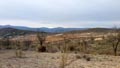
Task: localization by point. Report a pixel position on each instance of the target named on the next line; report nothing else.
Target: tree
(92, 39)
(64, 51)
(83, 43)
(114, 40)
(26, 44)
(1, 44)
(6, 42)
(41, 37)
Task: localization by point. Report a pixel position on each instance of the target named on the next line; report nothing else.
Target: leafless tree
(6, 42)
(114, 40)
(83, 45)
(64, 51)
(41, 37)
(0, 43)
(26, 44)
(92, 39)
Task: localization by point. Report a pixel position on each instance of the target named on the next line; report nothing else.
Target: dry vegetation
(53, 60)
(67, 50)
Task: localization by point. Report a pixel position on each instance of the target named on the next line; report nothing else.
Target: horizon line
(8, 25)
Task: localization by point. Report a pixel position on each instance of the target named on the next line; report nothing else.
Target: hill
(95, 30)
(4, 32)
(44, 29)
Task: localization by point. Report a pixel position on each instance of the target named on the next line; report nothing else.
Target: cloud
(61, 12)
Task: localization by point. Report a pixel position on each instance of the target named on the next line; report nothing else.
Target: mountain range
(43, 29)
(9, 30)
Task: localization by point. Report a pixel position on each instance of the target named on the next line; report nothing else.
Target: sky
(60, 13)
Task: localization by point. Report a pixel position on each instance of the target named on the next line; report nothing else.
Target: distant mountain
(16, 27)
(5, 32)
(43, 29)
(9, 30)
(57, 30)
(97, 30)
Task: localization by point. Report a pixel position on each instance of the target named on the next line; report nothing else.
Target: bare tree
(114, 40)
(92, 39)
(6, 42)
(1, 44)
(41, 37)
(64, 51)
(26, 44)
(83, 45)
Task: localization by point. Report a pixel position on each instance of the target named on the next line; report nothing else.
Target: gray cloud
(58, 11)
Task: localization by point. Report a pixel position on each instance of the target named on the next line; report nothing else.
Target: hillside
(95, 30)
(13, 32)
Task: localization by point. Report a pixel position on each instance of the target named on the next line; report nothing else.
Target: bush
(19, 54)
(41, 49)
(86, 57)
(18, 49)
(78, 57)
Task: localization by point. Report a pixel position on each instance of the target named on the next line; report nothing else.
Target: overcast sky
(60, 13)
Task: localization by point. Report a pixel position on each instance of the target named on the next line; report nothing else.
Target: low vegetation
(85, 44)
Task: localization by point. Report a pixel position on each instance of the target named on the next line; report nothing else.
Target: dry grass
(52, 60)
(71, 52)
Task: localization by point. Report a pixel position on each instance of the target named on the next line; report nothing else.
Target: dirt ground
(33, 59)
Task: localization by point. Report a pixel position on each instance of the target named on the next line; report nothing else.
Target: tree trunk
(115, 51)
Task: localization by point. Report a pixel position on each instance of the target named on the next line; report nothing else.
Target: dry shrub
(64, 50)
(19, 54)
(87, 58)
(78, 57)
(63, 62)
(19, 49)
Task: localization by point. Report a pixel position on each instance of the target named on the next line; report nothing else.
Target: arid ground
(53, 60)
